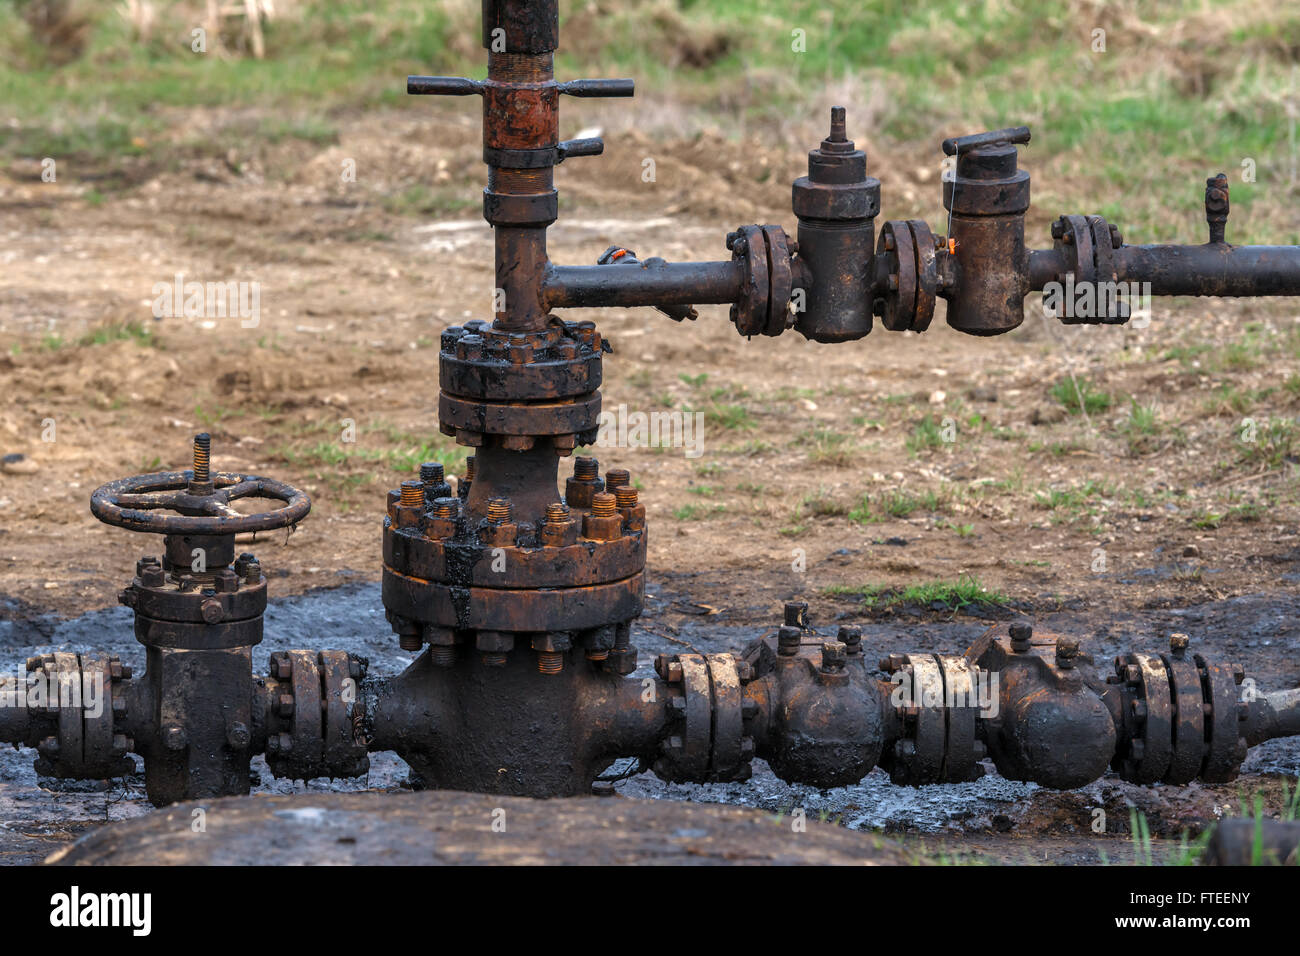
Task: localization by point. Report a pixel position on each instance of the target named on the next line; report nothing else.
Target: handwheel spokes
(146, 501)
(199, 499)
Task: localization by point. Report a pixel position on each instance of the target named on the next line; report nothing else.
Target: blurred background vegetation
(1184, 88)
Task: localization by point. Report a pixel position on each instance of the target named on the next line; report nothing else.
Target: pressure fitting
(836, 204)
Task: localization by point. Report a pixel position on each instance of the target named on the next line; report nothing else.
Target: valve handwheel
(199, 500)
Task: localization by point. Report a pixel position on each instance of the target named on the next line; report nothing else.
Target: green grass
(1274, 444)
(697, 512)
(902, 504)
(136, 332)
(927, 435)
(953, 595)
(1078, 395)
(1130, 130)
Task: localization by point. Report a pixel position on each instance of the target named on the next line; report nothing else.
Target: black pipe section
(648, 282)
(1212, 269)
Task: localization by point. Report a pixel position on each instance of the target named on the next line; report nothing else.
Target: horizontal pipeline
(651, 282)
(1211, 269)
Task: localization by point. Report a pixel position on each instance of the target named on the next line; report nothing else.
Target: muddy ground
(820, 473)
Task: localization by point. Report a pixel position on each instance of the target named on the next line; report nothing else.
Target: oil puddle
(1261, 631)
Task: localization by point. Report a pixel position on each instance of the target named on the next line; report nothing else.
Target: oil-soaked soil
(991, 819)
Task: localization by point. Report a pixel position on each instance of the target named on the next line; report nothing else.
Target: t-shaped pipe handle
(959, 144)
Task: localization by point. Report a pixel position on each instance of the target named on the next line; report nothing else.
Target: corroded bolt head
(796, 614)
(1139, 710)
(788, 639)
(1020, 633)
(1132, 674)
(284, 705)
(238, 736)
(892, 663)
(281, 666)
(226, 581)
(1058, 228)
(1067, 649)
(153, 577)
(174, 738)
(1178, 645)
(851, 637)
(744, 671)
(211, 610)
(834, 656)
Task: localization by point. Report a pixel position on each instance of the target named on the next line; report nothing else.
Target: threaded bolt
(617, 478)
(585, 469)
(202, 456)
(432, 472)
(604, 505)
(442, 655)
(410, 641)
(493, 659)
(1178, 645)
(550, 662)
(557, 513)
(469, 468)
(838, 134)
(500, 511)
(412, 493)
(626, 496)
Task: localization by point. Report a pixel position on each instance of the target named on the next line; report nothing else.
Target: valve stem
(202, 457)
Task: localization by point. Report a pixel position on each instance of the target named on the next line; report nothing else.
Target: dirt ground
(1153, 502)
(353, 297)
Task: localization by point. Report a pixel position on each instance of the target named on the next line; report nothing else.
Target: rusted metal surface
(519, 599)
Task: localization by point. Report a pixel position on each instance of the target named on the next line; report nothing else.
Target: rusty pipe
(648, 282)
(1211, 269)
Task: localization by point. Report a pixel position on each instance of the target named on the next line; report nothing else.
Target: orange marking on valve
(952, 247)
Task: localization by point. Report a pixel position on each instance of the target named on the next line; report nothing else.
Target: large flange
(516, 610)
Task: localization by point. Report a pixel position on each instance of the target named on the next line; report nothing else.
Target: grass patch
(927, 435)
(965, 591)
(1079, 396)
(131, 331)
(1271, 444)
(698, 512)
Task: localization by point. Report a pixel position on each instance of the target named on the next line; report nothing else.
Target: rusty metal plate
(1223, 756)
(959, 763)
(692, 759)
(576, 565)
(728, 719)
(1157, 735)
(1188, 721)
(492, 609)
